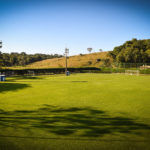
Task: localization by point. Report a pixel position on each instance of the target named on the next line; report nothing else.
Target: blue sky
(47, 26)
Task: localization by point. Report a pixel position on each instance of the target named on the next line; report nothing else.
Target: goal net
(132, 72)
(30, 73)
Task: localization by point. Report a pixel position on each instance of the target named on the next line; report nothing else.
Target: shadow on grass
(85, 121)
(5, 87)
(79, 81)
(15, 78)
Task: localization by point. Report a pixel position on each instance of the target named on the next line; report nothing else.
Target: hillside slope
(84, 60)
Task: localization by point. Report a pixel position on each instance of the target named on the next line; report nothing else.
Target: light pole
(0, 54)
(2, 77)
(66, 53)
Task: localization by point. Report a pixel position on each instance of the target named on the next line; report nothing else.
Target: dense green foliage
(79, 112)
(44, 71)
(134, 51)
(21, 59)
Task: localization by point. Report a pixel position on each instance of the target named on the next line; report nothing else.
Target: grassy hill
(83, 60)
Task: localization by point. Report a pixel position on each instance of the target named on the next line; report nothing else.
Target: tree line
(21, 59)
(134, 51)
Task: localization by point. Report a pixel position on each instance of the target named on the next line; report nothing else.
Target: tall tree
(134, 51)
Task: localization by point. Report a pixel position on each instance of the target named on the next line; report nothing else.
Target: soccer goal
(132, 72)
(30, 73)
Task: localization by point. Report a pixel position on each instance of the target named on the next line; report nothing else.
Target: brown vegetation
(82, 60)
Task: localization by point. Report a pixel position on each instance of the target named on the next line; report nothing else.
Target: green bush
(145, 71)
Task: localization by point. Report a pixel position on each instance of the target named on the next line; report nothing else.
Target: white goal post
(132, 72)
(31, 73)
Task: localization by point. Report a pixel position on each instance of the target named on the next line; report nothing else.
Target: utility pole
(66, 54)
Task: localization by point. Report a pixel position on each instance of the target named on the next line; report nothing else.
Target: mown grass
(81, 111)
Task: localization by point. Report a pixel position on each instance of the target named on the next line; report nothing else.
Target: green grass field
(78, 112)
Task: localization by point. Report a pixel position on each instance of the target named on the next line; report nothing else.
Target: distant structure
(89, 49)
(66, 55)
(0, 44)
(100, 50)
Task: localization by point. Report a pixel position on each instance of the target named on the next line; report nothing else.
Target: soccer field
(77, 112)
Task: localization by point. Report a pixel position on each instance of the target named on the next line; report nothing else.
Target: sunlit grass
(110, 108)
